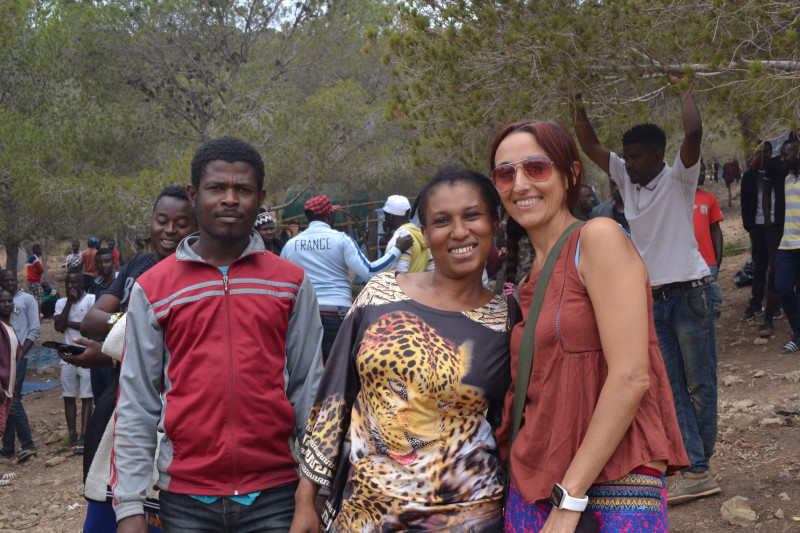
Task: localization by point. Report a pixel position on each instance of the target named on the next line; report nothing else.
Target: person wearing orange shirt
(706, 219)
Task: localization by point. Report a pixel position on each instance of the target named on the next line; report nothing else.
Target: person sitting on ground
(35, 269)
(706, 219)
(10, 354)
(265, 226)
(396, 223)
(418, 370)
(614, 208)
(73, 260)
(50, 296)
(75, 381)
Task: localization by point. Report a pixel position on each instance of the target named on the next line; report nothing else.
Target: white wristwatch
(561, 499)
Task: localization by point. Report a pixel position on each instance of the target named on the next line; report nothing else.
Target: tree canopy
(466, 67)
(102, 103)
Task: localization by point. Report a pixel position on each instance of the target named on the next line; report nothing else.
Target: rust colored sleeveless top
(569, 370)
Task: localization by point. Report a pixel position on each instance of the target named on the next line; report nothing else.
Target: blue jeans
(331, 324)
(687, 339)
(786, 264)
(101, 377)
(271, 512)
(17, 424)
(100, 518)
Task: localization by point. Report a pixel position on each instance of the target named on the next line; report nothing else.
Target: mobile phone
(66, 349)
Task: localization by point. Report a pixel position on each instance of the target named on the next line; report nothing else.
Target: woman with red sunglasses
(599, 429)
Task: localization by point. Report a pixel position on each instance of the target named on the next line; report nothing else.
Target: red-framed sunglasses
(537, 168)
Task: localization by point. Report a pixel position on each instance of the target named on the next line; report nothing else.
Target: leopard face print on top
(418, 431)
(409, 389)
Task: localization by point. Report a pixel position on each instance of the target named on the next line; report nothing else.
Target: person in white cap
(417, 258)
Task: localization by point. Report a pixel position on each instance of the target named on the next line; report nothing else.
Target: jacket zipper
(230, 385)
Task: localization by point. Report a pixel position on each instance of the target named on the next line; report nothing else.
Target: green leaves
(522, 59)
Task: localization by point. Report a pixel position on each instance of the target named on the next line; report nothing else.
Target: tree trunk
(749, 134)
(11, 239)
(12, 255)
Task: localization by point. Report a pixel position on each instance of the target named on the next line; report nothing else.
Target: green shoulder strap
(525, 360)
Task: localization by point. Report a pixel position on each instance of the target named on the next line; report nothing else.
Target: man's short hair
(645, 134)
(103, 251)
(228, 149)
(173, 191)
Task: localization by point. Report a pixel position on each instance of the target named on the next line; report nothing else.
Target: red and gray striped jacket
(226, 366)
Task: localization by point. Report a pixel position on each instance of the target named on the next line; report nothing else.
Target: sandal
(790, 347)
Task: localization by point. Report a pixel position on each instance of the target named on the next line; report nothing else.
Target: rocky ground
(757, 455)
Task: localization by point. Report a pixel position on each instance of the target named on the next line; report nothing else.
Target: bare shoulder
(602, 232)
(605, 248)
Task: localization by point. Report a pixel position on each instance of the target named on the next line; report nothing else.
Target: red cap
(320, 205)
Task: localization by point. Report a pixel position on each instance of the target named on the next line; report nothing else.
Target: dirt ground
(757, 454)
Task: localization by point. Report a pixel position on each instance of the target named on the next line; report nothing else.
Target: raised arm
(61, 316)
(692, 125)
(362, 267)
(587, 138)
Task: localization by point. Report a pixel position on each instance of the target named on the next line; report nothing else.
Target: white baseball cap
(396, 205)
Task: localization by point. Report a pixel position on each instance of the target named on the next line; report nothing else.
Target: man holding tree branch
(658, 205)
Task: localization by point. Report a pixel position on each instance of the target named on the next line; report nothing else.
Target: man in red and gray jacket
(222, 355)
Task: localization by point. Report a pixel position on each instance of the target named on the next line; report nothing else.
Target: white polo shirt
(660, 217)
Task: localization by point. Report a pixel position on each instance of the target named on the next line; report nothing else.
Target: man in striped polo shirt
(787, 261)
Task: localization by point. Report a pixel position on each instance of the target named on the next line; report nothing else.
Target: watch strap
(570, 503)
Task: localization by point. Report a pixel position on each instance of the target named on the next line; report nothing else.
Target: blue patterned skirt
(635, 503)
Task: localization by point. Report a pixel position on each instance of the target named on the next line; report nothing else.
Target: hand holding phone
(66, 349)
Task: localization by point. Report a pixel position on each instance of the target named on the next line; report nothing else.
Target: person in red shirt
(707, 232)
(35, 270)
(87, 258)
(111, 243)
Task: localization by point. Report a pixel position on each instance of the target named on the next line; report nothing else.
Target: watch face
(557, 496)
